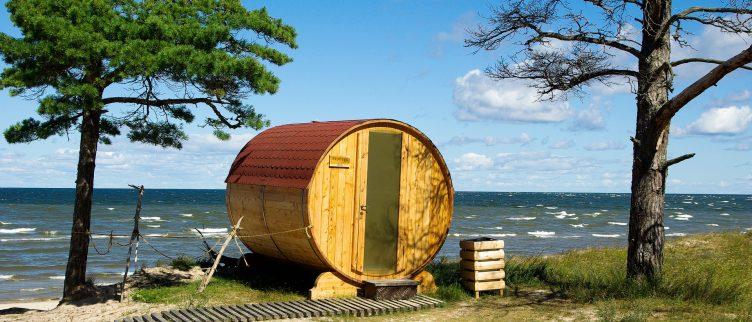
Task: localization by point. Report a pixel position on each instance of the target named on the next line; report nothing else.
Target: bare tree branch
(669, 109)
(687, 12)
(724, 23)
(678, 159)
(583, 38)
(160, 102)
(704, 60)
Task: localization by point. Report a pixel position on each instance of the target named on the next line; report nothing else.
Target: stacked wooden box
(482, 265)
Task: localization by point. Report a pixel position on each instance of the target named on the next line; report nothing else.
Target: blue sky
(405, 60)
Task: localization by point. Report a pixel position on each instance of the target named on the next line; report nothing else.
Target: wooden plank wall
(336, 194)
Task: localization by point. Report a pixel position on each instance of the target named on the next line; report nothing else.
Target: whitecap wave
(151, 218)
(725, 214)
(17, 230)
(212, 231)
(4, 223)
(676, 235)
(578, 225)
(562, 214)
(156, 235)
(552, 207)
(187, 215)
(153, 226)
(712, 225)
(57, 277)
(11, 240)
(617, 223)
(521, 218)
(483, 235)
(31, 289)
(5, 277)
(542, 234)
(110, 208)
(606, 235)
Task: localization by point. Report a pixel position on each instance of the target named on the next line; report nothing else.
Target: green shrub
(183, 263)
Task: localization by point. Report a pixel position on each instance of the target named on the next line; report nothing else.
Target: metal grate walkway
(290, 310)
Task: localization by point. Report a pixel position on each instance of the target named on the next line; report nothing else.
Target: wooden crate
(482, 265)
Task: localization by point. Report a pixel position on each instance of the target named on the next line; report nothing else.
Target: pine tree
(164, 59)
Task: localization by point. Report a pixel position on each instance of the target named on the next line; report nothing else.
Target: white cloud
(480, 98)
(605, 145)
(523, 139)
(473, 161)
(589, 119)
(562, 144)
(719, 121)
(458, 32)
(710, 43)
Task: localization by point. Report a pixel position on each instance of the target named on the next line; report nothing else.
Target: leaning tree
(566, 47)
(102, 67)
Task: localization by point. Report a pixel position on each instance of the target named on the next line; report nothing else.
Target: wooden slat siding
(404, 206)
(265, 314)
(245, 200)
(360, 195)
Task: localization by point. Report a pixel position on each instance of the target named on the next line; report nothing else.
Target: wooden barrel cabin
(364, 199)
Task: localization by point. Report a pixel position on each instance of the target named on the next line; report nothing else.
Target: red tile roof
(286, 155)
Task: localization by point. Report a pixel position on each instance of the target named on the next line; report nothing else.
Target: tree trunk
(646, 232)
(75, 272)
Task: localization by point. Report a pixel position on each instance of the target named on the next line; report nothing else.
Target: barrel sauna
(363, 199)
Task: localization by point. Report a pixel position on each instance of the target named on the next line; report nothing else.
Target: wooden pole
(134, 237)
(208, 276)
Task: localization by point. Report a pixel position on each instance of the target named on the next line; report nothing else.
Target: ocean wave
(57, 277)
(712, 225)
(606, 235)
(578, 225)
(151, 218)
(110, 208)
(676, 235)
(521, 218)
(482, 235)
(617, 223)
(5, 277)
(187, 215)
(491, 228)
(17, 230)
(4, 223)
(4, 240)
(156, 235)
(562, 214)
(212, 231)
(152, 226)
(572, 236)
(31, 289)
(520, 206)
(594, 214)
(552, 207)
(542, 234)
(725, 214)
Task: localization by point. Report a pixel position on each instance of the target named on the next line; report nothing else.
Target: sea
(35, 227)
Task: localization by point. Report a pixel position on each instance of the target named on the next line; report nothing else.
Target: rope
(154, 248)
(109, 245)
(191, 236)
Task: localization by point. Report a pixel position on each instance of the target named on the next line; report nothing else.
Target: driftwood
(134, 237)
(219, 256)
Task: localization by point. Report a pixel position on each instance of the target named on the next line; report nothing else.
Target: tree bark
(646, 232)
(75, 272)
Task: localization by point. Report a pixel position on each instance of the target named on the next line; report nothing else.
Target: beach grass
(705, 277)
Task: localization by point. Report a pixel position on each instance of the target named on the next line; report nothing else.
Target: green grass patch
(221, 290)
(183, 263)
